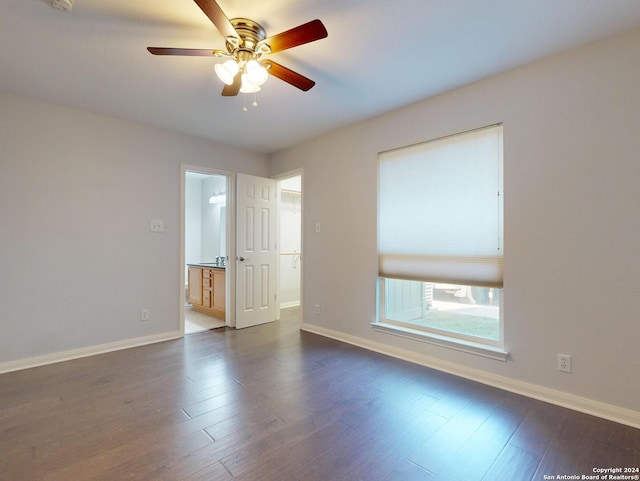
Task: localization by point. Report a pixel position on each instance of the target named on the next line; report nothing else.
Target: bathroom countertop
(207, 265)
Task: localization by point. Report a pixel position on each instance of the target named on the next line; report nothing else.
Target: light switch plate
(157, 225)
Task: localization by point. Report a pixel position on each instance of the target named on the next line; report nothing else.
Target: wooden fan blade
(217, 17)
(191, 52)
(233, 89)
(308, 32)
(288, 75)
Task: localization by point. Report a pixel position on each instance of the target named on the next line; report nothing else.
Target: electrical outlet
(564, 363)
(144, 315)
(317, 309)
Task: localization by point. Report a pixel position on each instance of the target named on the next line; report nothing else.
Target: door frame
(230, 293)
(285, 175)
(230, 280)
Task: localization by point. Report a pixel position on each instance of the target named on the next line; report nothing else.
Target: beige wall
(572, 218)
(77, 192)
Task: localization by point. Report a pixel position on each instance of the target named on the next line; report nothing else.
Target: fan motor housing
(250, 33)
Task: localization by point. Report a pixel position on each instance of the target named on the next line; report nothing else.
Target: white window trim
(490, 349)
(470, 347)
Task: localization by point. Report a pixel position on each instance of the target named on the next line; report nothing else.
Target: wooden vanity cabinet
(218, 298)
(207, 291)
(195, 286)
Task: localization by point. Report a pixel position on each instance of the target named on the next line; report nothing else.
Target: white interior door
(256, 254)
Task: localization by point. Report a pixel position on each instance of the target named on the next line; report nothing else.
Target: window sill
(479, 349)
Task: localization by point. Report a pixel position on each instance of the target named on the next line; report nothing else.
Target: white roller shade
(440, 210)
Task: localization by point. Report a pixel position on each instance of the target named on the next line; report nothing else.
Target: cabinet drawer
(206, 298)
(206, 282)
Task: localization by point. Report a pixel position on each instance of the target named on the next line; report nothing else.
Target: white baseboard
(286, 305)
(86, 351)
(570, 401)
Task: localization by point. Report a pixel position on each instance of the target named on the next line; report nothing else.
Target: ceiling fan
(246, 44)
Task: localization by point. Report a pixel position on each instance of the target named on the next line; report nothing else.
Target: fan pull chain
(244, 101)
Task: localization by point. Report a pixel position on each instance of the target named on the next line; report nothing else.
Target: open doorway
(214, 274)
(290, 283)
(205, 250)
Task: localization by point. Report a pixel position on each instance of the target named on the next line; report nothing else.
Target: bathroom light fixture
(219, 198)
(63, 5)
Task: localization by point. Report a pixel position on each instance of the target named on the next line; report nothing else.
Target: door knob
(242, 259)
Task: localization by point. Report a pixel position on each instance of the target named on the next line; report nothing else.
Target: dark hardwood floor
(272, 403)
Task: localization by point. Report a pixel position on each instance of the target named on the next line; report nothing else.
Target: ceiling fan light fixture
(246, 41)
(248, 87)
(256, 73)
(227, 71)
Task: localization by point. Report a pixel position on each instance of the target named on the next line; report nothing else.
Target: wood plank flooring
(271, 403)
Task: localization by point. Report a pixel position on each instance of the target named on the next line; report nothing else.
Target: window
(440, 238)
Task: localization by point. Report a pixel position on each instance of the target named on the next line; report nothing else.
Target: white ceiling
(379, 55)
